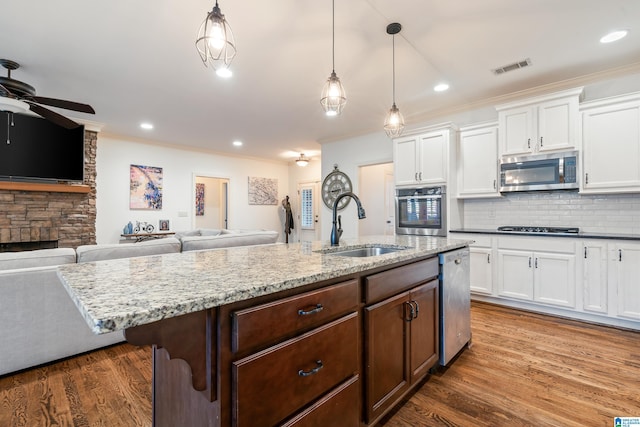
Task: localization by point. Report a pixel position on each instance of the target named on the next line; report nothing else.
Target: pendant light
(394, 122)
(215, 43)
(333, 97)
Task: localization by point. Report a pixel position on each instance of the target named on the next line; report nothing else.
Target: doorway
(377, 193)
(211, 208)
(308, 211)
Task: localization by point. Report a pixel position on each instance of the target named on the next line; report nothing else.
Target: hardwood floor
(523, 369)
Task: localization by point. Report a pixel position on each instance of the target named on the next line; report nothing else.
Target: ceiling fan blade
(4, 91)
(61, 103)
(52, 116)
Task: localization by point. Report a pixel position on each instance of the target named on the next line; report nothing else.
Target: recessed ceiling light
(237, 143)
(441, 87)
(146, 126)
(613, 36)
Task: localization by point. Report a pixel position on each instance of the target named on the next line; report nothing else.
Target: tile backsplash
(616, 213)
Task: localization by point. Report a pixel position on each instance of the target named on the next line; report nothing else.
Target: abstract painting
(199, 199)
(145, 187)
(263, 191)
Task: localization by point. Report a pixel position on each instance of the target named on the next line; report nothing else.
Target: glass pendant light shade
(333, 97)
(215, 43)
(302, 160)
(394, 122)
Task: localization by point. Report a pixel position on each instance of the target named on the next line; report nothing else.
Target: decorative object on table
(288, 218)
(199, 199)
(128, 229)
(143, 227)
(145, 187)
(263, 191)
(336, 183)
(163, 225)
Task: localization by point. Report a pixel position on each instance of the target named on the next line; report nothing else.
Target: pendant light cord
(393, 56)
(333, 36)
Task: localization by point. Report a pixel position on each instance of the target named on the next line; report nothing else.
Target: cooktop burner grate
(537, 229)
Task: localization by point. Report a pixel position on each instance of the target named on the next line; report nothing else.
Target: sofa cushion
(37, 258)
(89, 253)
(229, 239)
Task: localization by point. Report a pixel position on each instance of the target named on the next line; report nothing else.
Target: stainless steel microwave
(553, 171)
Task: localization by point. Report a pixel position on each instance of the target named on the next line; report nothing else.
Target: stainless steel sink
(366, 252)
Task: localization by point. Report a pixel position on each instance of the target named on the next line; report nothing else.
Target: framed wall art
(145, 187)
(263, 191)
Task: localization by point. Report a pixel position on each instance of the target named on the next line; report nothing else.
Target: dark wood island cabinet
(339, 350)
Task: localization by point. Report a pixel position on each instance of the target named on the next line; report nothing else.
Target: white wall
(115, 155)
(349, 155)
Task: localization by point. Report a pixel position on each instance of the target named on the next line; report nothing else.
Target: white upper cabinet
(478, 163)
(611, 145)
(540, 124)
(422, 158)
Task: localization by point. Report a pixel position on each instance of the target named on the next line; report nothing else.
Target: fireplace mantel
(54, 188)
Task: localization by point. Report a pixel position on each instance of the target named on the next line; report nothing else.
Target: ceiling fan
(16, 97)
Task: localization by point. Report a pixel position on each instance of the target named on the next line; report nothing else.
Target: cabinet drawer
(391, 282)
(273, 384)
(267, 323)
(339, 408)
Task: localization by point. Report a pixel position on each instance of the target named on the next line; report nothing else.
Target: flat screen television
(34, 149)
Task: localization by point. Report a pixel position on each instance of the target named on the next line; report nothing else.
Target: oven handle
(435, 196)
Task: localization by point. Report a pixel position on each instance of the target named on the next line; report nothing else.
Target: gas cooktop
(537, 229)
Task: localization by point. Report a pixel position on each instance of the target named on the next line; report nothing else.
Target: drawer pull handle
(314, 371)
(317, 309)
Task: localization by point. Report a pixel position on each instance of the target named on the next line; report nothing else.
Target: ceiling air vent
(511, 67)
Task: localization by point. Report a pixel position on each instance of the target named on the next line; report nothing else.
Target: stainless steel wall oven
(421, 211)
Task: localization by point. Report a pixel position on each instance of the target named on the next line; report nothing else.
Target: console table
(141, 237)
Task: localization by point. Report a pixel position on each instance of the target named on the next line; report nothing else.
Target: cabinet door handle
(317, 309)
(620, 255)
(536, 265)
(412, 313)
(585, 252)
(420, 176)
(529, 262)
(495, 183)
(488, 258)
(314, 371)
(529, 143)
(417, 308)
(586, 178)
(540, 141)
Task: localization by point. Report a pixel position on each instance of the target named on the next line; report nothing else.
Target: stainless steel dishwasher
(455, 303)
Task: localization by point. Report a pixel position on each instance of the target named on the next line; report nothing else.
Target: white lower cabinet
(594, 276)
(624, 269)
(481, 262)
(545, 275)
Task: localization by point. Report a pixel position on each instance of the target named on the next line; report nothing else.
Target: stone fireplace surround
(28, 217)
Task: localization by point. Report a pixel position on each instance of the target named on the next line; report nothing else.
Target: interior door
(308, 225)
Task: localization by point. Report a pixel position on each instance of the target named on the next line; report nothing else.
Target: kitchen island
(283, 334)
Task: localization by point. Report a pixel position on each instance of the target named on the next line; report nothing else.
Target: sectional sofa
(38, 321)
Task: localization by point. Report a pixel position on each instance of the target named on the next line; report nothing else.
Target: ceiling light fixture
(237, 143)
(613, 36)
(302, 160)
(215, 43)
(333, 97)
(441, 87)
(146, 126)
(394, 122)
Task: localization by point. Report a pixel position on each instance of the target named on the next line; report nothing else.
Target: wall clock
(336, 183)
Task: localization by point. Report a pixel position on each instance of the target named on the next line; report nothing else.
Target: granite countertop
(580, 235)
(119, 294)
